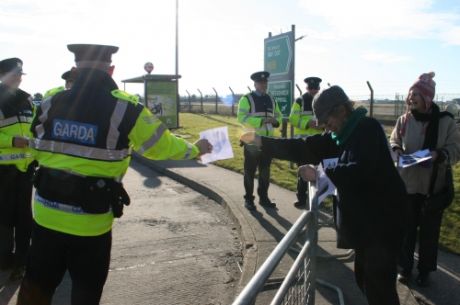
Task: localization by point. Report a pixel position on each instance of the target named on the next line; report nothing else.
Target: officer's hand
(251, 137)
(204, 146)
(307, 172)
(20, 142)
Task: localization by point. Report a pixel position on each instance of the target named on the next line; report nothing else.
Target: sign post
(279, 55)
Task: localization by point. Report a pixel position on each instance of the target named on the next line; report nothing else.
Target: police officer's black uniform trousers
(428, 225)
(253, 160)
(15, 215)
(53, 253)
(302, 190)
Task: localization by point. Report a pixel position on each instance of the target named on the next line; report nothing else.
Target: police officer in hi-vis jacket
(259, 112)
(16, 167)
(83, 142)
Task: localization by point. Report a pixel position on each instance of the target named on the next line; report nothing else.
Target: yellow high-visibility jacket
(301, 115)
(253, 109)
(16, 113)
(90, 131)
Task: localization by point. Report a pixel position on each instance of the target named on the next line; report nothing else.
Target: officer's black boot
(265, 202)
(300, 204)
(249, 203)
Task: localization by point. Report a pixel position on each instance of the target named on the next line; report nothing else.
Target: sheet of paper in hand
(414, 158)
(324, 186)
(221, 147)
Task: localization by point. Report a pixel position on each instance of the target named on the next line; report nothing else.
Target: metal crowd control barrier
(299, 284)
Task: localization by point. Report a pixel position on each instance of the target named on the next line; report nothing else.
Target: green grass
(450, 229)
(283, 175)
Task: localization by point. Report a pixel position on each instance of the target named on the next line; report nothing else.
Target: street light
(177, 37)
(301, 37)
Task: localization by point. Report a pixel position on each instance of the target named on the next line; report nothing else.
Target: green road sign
(282, 92)
(278, 54)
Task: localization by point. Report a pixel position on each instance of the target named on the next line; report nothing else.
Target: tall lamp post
(177, 37)
(177, 63)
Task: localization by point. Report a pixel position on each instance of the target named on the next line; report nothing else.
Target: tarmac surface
(163, 252)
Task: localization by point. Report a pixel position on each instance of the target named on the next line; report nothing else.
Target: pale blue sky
(388, 43)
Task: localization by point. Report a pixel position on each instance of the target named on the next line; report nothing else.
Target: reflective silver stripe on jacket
(246, 115)
(115, 121)
(259, 114)
(9, 157)
(45, 107)
(153, 139)
(306, 112)
(80, 150)
(14, 120)
(58, 205)
(189, 151)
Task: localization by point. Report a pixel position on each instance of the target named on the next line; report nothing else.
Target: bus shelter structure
(161, 96)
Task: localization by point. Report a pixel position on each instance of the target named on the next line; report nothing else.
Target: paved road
(172, 246)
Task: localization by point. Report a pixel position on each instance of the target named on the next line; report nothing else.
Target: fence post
(250, 90)
(217, 97)
(371, 107)
(201, 100)
(298, 88)
(233, 100)
(189, 101)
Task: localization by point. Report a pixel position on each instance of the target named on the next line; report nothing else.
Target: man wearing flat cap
(305, 124)
(259, 111)
(16, 112)
(84, 138)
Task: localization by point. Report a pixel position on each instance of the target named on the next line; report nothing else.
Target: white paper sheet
(324, 186)
(414, 158)
(221, 147)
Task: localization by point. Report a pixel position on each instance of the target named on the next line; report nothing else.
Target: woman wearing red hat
(424, 126)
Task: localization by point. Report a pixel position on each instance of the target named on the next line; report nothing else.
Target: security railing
(299, 285)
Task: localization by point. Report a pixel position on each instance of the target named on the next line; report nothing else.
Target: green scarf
(341, 137)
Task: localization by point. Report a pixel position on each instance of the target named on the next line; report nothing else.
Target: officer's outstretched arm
(152, 139)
